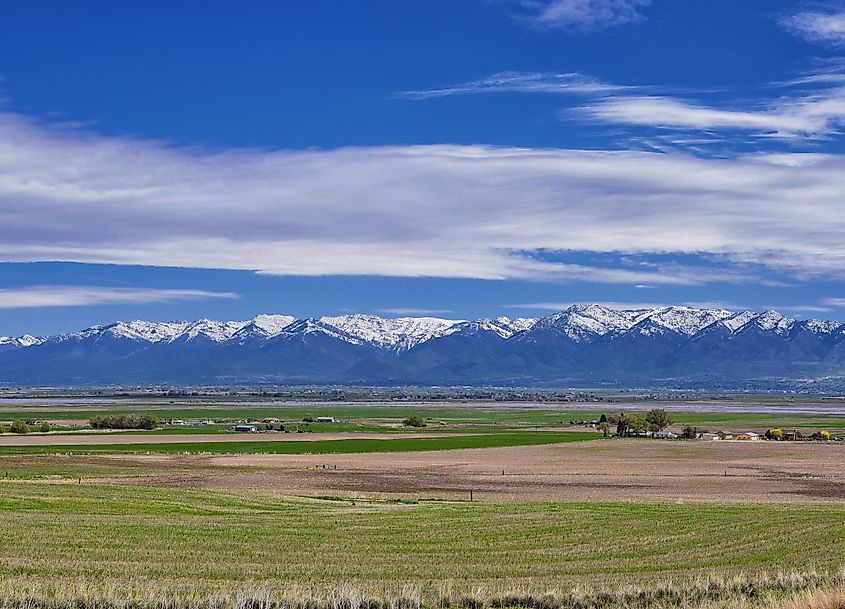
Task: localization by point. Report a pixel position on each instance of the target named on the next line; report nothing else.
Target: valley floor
(481, 509)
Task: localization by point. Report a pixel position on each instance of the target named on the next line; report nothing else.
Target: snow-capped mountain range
(582, 343)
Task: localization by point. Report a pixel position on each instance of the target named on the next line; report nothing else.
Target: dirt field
(713, 472)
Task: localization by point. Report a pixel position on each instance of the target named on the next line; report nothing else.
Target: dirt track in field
(602, 470)
(130, 438)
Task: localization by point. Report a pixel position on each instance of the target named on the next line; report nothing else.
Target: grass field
(368, 417)
(280, 446)
(199, 540)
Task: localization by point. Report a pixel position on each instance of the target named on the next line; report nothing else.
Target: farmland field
(485, 497)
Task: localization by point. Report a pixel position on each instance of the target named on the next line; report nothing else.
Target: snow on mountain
(686, 320)
(503, 327)
(21, 341)
(823, 327)
(263, 326)
(772, 321)
(737, 320)
(148, 331)
(582, 322)
(302, 327)
(400, 333)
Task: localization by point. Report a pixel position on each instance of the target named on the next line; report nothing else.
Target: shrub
(45, 426)
(124, 421)
(3, 429)
(414, 421)
(19, 426)
(308, 418)
(689, 433)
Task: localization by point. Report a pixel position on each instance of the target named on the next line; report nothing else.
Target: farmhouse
(747, 435)
(246, 428)
(325, 419)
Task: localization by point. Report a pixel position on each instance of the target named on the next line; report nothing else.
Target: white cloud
(826, 28)
(447, 211)
(75, 296)
(813, 115)
(585, 14)
(523, 82)
(834, 302)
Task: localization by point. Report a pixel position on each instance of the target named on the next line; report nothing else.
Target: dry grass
(787, 590)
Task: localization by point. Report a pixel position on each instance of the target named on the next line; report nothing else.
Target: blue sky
(461, 158)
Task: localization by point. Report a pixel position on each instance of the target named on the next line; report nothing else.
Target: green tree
(623, 422)
(604, 428)
(689, 433)
(658, 419)
(603, 418)
(19, 426)
(414, 421)
(45, 426)
(637, 424)
(308, 418)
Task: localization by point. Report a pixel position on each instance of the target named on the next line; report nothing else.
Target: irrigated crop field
(479, 502)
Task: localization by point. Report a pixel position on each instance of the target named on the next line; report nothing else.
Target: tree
(604, 428)
(45, 426)
(603, 418)
(623, 421)
(414, 421)
(308, 418)
(689, 433)
(19, 426)
(774, 434)
(658, 419)
(637, 424)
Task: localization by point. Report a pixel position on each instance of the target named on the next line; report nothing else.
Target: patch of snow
(772, 321)
(399, 333)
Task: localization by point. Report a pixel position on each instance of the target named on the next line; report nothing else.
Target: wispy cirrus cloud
(813, 115)
(75, 296)
(822, 27)
(584, 14)
(522, 82)
(416, 211)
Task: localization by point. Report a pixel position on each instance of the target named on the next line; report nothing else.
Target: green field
(379, 418)
(199, 540)
(355, 445)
